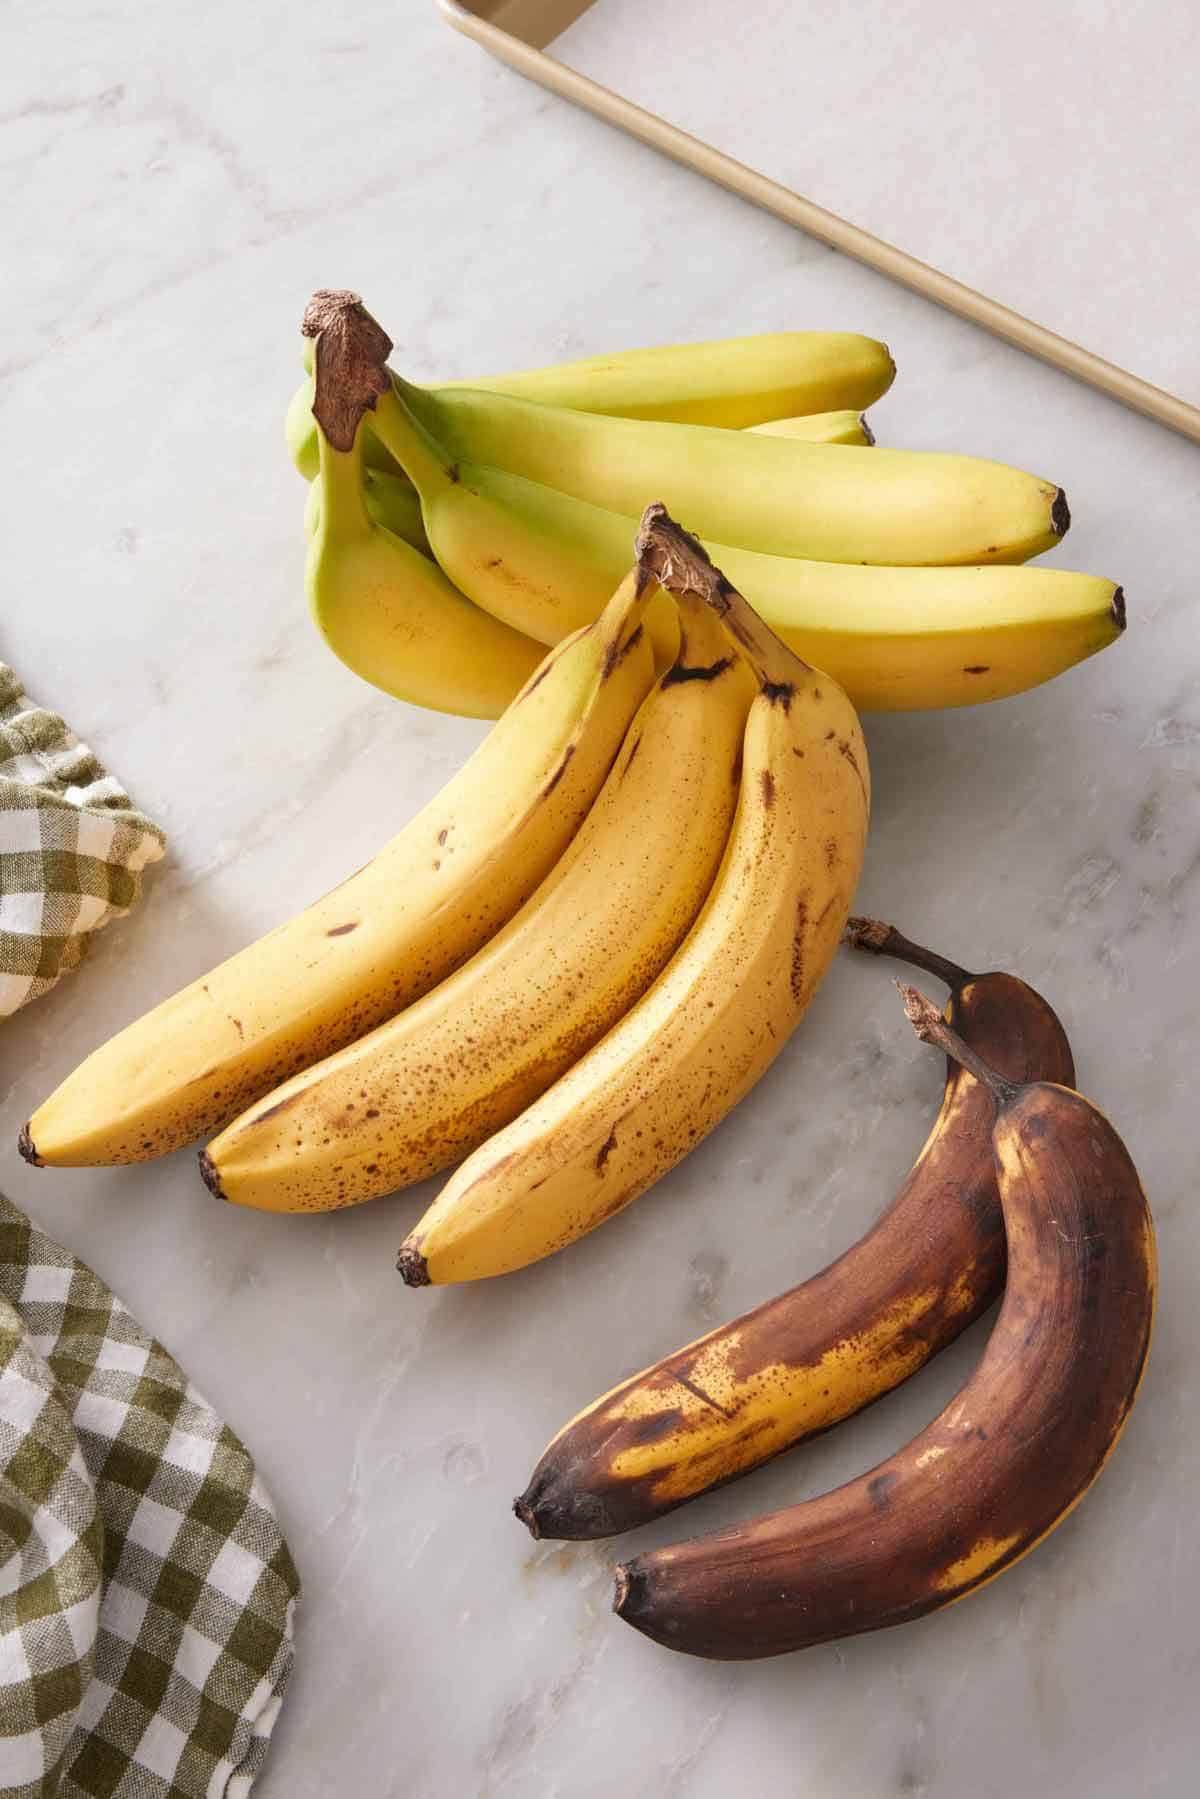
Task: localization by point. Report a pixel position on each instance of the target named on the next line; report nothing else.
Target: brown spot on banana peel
(559, 772)
(847, 754)
(767, 782)
(799, 939)
(1000, 1467)
(343, 930)
(616, 651)
(781, 694)
(280, 1105)
(942, 1237)
(634, 747)
(605, 1150)
(679, 672)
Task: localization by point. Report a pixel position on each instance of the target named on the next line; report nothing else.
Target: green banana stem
(405, 437)
(343, 500)
(680, 563)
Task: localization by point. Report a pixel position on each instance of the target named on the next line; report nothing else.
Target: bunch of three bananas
(566, 969)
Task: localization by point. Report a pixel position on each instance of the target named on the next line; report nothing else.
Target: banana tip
(413, 1268)
(25, 1144)
(1118, 608)
(209, 1175)
(1060, 514)
(622, 1586)
(525, 1512)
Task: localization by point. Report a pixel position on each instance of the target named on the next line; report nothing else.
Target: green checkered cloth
(146, 1591)
(72, 847)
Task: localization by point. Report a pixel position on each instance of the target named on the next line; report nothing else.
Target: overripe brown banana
(1006, 1460)
(800, 1363)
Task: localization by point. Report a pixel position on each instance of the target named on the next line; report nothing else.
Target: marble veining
(176, 185)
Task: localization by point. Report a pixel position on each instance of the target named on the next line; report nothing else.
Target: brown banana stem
(350, 362)
(879, 939)
(931, 1027)
(680, 563)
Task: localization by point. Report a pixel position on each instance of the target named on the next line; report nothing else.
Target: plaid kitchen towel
(72, 847)
(146, 1590)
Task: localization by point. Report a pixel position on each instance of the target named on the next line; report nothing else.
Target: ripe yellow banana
(432, 1084)
(896, 639)
(392, 500)
(733, 381)
(820, 428)
(776, 495)
(390, 613)
(724, 1005)
(404, 626)
(1007, 1459)
(426, 903)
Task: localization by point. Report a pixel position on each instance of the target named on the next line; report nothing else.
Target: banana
(1002, 1465)
(428, 901)
(391, 501)
(802, 1362)
(433, 1083)
(779, 496)
(896, 639)
(389, 613)
(725, 1004)
(733, 381)
(821, 428)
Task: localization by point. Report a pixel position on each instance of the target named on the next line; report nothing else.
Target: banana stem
(880, 939)
(402, 433)
(680, 563)
(351, 378)
(931, 1027)
(350, 352)
(343, 501)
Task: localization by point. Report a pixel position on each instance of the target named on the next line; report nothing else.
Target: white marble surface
(175, 185)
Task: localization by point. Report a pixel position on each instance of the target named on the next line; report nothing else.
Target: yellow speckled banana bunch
(897, 572)
(725, 1004)
(1006, 1460)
